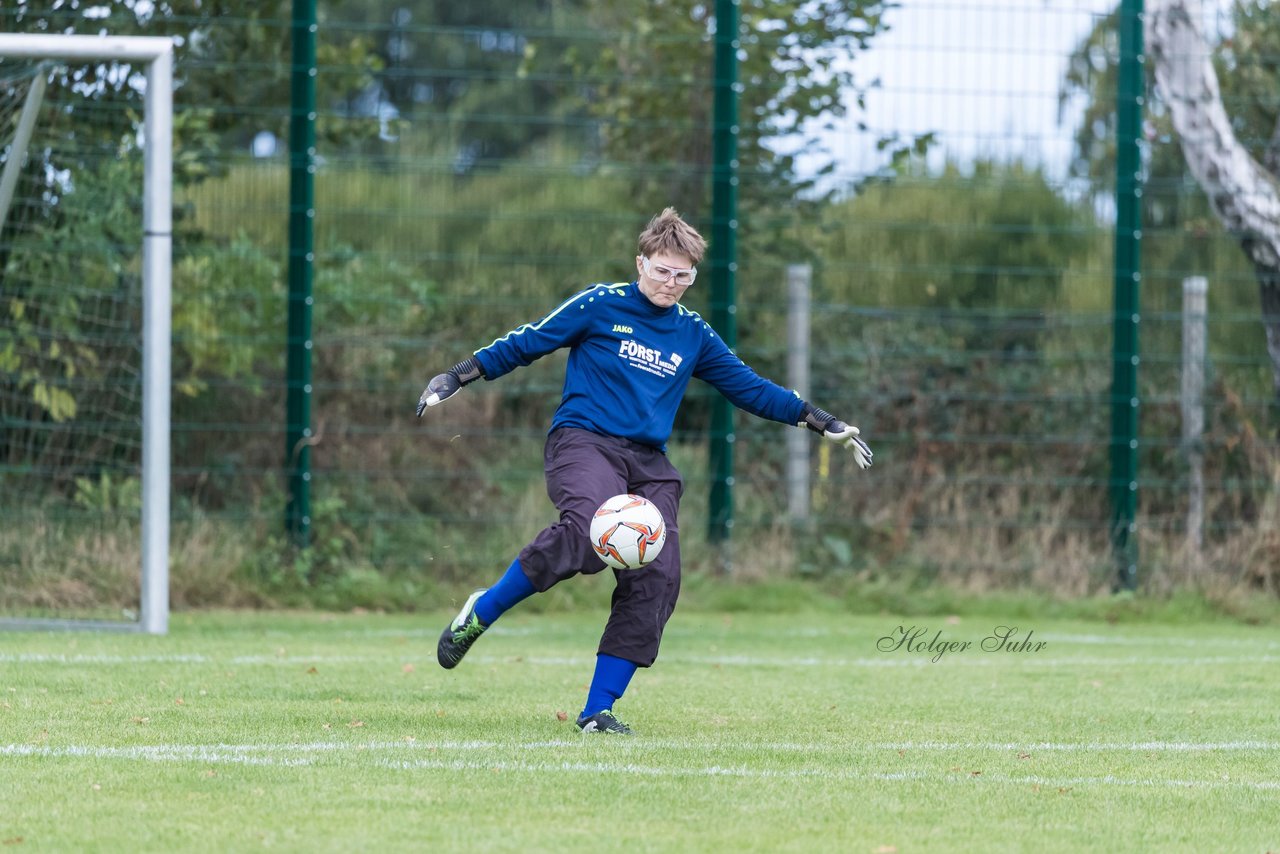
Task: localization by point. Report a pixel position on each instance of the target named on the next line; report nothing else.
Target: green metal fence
(947, 170)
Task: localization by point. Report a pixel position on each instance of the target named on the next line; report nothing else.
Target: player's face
(660, 276)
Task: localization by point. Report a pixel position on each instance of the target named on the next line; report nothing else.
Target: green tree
(938, 315)
(1243, 187)
(622, 89)
(453, 70)
(232, 69)
(1248, 66)
(1170, 203)
(646, 89)
(1181, 235)
(71, 250)
(992, 238)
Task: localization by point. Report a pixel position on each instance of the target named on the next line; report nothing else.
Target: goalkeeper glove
(833, 429)
(446, 385)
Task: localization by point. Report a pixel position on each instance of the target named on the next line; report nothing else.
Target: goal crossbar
(157, 253)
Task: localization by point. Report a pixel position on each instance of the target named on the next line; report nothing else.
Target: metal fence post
(799, 280)
(1128, 278)
(724, 257)
(302, 152)
(1194, 323)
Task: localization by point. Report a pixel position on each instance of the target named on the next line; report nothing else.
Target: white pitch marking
(269, 755)
(827, 774)
(154, 753)
(1135, 746)
(59, 658)
(630, 745)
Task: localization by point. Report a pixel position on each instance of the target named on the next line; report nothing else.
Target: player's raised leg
(580, 475)
(482, 608)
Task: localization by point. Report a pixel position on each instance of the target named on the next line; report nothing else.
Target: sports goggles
(661, 273)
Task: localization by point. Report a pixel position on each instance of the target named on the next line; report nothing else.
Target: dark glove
(833, 429)
(446, 385)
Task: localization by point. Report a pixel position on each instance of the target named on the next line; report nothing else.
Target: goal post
(18, 147)
(156, 54)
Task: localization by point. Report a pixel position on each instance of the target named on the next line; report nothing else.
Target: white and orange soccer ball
(628, 532)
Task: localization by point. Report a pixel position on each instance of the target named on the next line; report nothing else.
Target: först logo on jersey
(648, 358)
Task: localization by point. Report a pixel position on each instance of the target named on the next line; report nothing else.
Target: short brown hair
(667, 232)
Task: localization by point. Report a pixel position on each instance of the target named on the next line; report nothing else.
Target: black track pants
(583, 469)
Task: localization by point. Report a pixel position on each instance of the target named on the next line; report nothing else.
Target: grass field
(756, 733)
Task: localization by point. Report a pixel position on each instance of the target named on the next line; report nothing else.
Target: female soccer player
(632, 351)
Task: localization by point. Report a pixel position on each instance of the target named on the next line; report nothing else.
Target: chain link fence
(945, 170)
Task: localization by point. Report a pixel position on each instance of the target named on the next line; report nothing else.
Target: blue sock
(512, 589)
(611, 679)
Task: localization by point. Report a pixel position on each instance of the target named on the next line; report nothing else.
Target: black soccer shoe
(458, 637)
(604, 722)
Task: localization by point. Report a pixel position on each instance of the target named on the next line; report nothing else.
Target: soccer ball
(628, 532)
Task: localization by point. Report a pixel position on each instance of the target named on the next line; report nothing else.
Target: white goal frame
(157, 302)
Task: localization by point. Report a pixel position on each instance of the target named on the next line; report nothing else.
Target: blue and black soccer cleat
(458, 637)
(604, 722)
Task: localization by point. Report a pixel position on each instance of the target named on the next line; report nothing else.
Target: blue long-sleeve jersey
(630, 362)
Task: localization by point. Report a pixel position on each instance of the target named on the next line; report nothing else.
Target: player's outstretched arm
(446, 385)
(833, 429)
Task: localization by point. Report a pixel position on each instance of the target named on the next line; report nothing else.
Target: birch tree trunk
(1244, 195)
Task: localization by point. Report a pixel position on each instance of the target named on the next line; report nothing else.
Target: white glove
(847, 435)
(834, 430)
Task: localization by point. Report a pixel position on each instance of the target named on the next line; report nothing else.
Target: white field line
(889, 659)
(297, 755)
(822, 774)
(213, 754)
(579, 742)
(677, 632)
